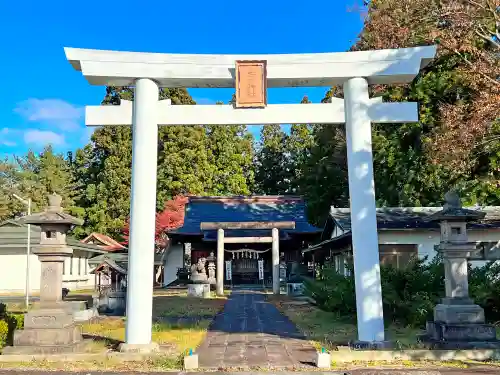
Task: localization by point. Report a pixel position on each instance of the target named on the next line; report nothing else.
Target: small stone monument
(323, 359)
(191, 361)
(458, 322)
(51, 328)
(211, 269)
(199, 286)
(295, 285)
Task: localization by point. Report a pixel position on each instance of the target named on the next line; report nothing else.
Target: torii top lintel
(389, 66)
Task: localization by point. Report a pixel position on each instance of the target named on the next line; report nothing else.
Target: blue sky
(43, 97)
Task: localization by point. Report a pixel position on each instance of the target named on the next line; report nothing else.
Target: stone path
(251, 332)
(456, 371)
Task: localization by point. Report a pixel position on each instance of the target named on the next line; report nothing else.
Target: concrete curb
(81, 357)
(344, 355)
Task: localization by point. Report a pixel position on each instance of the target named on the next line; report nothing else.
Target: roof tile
(244, 209)
(414, 217)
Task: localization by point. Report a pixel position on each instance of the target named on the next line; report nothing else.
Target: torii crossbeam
(325, 113)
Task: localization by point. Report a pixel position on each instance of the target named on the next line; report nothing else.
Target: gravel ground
(474, 371)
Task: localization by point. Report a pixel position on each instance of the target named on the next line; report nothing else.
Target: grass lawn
(110, 332)
(179, 320)
(325, 329)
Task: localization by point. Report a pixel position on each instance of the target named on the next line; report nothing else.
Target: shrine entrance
(251, 75)
(249, 267)
(225, 268)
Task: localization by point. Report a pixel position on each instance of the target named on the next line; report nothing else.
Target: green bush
(333, 292)
(484, 288)
(409, 293)
(16, 321)
(8, 324)
(4, 333)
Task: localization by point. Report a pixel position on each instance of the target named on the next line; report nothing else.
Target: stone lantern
(51, 327)
(458, 322)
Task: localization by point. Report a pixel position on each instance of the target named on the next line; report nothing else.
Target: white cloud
(56, 112)
(43, 137)
(5, 134)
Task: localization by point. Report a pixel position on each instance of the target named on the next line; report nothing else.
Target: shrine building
(245, 243)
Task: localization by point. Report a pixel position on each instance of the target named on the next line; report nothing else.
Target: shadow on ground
(251, 332)
(107, 342)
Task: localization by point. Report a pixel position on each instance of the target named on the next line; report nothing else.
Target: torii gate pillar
(369, 307)
(142, 216)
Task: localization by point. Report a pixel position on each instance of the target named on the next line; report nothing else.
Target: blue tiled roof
(241, 209)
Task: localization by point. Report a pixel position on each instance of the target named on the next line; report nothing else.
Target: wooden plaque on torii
(251, 84)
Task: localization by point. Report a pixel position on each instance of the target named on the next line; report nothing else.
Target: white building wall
(173, 260)
(426, 239)
(13, 272)
(76, 275)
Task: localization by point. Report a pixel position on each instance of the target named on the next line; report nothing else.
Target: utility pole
(28, 250)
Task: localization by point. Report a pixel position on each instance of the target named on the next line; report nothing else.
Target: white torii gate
(149, 71)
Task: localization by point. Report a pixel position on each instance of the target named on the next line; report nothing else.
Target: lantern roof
(53, 214)
(453, 210)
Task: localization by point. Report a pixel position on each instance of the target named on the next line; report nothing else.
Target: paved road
(252, 332)
(483, 371)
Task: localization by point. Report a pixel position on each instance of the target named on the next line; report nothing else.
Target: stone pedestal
(112, 303)
(80, 310)
(294, 289)
(461, 336)
(458, 313)
(47, 331)
(199, 290)
(460, 325)
(51, 328)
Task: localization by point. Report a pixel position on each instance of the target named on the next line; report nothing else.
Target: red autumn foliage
(171, 217)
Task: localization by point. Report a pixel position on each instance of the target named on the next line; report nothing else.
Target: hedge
(8, 324)
(409, 294)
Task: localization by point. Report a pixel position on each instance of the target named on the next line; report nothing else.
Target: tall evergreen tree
(35, 176)
(272, 168)
(299, 145)
(324, 173)
(230, 149)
